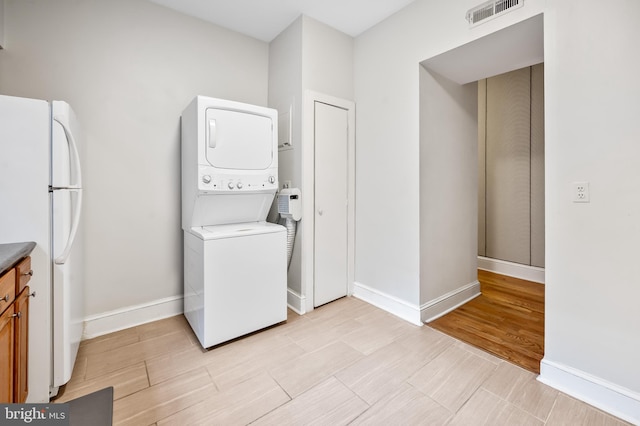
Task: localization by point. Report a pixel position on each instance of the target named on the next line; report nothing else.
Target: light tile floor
(344, 363)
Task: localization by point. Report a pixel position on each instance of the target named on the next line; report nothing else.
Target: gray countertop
(11, 253)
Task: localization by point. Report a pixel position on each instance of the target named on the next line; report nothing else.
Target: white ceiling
(265, 19)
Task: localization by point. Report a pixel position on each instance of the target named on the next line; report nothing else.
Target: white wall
(308, 55)
(128, 68)
(448, 193)
(327, 60)
(285, 94)
(592, 128)
(592, 131)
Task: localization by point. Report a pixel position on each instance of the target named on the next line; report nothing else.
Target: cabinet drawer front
(24, 273)
(7, 289)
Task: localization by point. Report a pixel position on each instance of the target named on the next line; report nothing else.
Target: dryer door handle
(213, 134)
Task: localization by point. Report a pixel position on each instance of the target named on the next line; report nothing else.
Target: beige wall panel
(537, 165)
(482, 121)
(508, 167)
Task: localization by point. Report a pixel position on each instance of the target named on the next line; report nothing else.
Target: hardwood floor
(507, 320)
(346, 362)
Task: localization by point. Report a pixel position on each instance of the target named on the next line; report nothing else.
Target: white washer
(235, 279)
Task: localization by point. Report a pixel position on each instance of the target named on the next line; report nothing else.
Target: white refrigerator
(41, 201)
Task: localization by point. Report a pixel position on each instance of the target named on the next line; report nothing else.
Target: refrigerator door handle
(73, 148)
(75, 188)
(60, 260)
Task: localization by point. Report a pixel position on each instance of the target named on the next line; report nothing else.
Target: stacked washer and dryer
(235, 267)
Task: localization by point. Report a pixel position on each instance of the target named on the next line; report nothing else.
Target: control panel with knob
(211, 181)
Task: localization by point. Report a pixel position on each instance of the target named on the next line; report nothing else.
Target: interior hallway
(345, 363)
(507, 320)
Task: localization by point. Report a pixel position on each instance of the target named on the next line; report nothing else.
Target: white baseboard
(391, 304)
(516, 270)
(446, 303)
(131, 316)
(296, 302)
(613, 399)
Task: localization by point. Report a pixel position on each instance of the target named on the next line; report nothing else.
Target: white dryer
(235, 268)
(229, 162)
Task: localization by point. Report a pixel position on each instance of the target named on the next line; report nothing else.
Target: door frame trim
(307, 224)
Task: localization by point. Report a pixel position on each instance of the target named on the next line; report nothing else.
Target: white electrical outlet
(580, 192)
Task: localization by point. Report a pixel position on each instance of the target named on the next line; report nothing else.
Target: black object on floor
(95, 409)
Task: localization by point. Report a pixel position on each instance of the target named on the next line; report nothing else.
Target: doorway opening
(449, 260)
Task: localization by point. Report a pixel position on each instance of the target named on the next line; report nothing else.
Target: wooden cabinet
(7, 289)
(23, 274)
(14, 333)
(6, 355)
(21, 346)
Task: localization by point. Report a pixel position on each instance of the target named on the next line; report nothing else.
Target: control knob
(239, 185)
(206, 179)
(272, 179)
(230, 185)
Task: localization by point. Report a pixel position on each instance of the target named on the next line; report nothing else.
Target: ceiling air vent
(491, 9)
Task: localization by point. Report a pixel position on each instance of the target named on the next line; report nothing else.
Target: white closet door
(331, 195)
